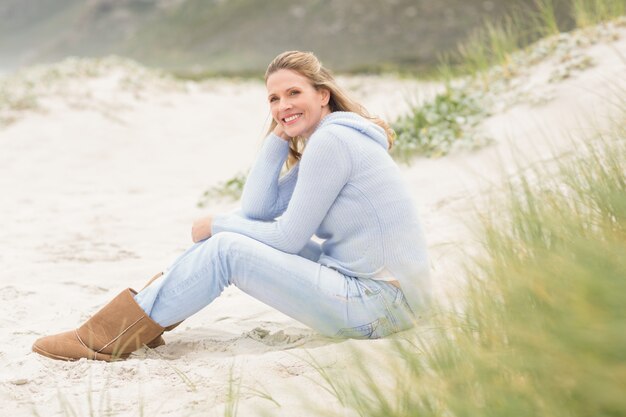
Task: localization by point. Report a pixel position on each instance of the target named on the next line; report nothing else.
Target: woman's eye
(273, 99)
(293, 93)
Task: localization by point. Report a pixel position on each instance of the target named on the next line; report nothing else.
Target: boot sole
(103, 357)
(51, 355)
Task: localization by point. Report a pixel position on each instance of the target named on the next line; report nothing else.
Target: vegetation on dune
(440, 126)
(227, 190)
(28, 90)
(493, 73)
(539, 328)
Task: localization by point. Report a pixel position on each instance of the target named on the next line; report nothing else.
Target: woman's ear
(325, 95)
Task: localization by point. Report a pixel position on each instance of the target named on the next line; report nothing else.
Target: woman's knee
(227, 243)
(228, 237)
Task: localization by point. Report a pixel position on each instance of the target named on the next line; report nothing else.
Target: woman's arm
(265, 196)
(325, 168)
(201, 230)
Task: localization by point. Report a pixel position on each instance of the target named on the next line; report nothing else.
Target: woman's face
(295, 104)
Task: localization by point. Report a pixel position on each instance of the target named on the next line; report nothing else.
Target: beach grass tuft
(486, 63)
(229, 190)
(539, 327)
(593, 12)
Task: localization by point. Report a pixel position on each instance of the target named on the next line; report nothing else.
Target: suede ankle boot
(113, 333)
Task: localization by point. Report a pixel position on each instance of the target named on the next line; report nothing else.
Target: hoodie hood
(359, 123)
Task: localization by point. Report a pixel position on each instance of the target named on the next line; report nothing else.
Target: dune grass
(593, 12)
(494, 43)
(230, 189)
(539, 328)
(491, 56)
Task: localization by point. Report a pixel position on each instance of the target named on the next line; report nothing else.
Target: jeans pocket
(401, 300)
(403, 315)
(364, 331)
(365, 290)
(373, 330)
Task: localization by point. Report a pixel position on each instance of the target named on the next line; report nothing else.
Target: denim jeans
(324, 299)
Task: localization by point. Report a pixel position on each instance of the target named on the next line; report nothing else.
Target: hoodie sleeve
(265, 196)
(325, 168)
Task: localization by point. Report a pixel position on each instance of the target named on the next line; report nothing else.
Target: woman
(369, 277)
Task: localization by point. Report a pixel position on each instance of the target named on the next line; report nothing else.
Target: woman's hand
(201, 228)
(280, 132)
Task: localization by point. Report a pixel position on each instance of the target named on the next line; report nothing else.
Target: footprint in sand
(83, 249)
(277, 339)
(236, 345)
(11, 293)
(91, 289)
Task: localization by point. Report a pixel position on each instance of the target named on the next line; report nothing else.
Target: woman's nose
(284, 104)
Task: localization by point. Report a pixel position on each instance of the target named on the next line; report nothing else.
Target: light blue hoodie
(347, 191)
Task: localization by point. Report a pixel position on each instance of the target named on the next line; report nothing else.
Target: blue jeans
(324, 299)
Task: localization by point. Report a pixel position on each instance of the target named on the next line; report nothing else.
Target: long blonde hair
(307, 65)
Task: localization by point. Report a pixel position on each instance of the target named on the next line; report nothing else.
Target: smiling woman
(296, 106)
(367, 279)
(309, 70)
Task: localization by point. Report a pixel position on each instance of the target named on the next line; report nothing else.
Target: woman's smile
(291, 119)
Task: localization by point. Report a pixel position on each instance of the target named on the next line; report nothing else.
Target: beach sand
(99, 188)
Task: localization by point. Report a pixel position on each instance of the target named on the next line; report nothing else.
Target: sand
(99, 186)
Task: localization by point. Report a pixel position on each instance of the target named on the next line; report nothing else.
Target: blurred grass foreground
(542, 326)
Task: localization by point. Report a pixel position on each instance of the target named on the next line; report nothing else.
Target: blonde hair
(307, 65)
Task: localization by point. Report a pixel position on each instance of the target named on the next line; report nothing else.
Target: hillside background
(239, 37)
